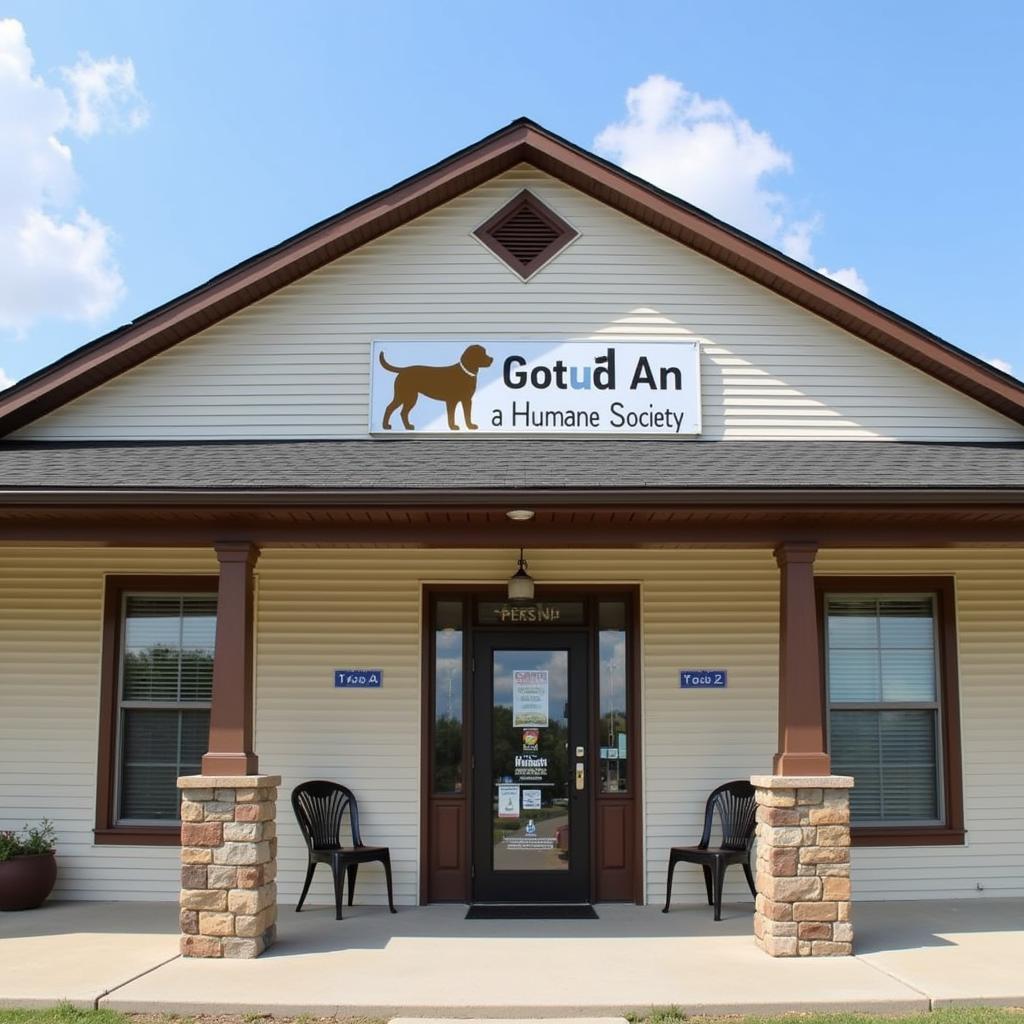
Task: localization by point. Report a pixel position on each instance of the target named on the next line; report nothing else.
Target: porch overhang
(562, 520)
(455, 492)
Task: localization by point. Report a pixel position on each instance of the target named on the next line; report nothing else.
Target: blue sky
(156, 144)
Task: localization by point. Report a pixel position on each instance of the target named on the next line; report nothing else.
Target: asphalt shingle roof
(489, 463)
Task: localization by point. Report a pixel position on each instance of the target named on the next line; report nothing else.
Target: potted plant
(28, 868)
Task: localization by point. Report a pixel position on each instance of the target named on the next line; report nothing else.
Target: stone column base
(803, 865)
(228, 865)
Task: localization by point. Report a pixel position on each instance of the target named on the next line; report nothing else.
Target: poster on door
(508, 801)
(529, 698)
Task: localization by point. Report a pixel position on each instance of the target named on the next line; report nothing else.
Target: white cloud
(5, 381)
(1001, 364)
(797, 239)
(848, 276)
(56, 259)
(704, 152)
(105, 96)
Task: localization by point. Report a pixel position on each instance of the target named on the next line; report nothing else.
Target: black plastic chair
(736, 808)
(320, 809)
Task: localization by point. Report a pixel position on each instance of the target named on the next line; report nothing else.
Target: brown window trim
(106, 832)
(952, 831)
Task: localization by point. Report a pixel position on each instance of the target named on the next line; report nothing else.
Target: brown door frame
(591, 593)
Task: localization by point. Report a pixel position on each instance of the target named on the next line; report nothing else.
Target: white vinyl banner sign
(647, 387)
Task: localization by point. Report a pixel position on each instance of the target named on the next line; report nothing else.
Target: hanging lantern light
(520, 585)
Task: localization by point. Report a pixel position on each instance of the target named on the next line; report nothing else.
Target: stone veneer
(803, 865)
(228, 865)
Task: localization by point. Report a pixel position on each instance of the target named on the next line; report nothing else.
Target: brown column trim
(107, 832)
(231, 711)
(802, 744)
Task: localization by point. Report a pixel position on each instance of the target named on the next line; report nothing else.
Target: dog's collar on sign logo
(471, 373)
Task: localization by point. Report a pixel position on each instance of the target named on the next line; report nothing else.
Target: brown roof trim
(523, 141)
(799, 499)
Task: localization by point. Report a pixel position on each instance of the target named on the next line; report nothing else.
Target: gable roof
(522, 141)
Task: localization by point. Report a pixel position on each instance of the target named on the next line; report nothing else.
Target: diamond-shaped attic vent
(525, 234)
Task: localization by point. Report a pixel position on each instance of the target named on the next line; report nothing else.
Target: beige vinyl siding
(51, 610)
(321, 609)
(296, 364)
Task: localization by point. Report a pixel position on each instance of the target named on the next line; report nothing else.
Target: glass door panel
(531, 823)
(530, 760)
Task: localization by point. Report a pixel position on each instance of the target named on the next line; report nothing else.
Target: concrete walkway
(432, 962)
(79, 952)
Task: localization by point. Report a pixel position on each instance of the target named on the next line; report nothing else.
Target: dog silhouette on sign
(454, 385)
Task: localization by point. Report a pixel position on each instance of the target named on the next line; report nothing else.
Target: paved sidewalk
(958, 952)
(431, 962)
(79, 952)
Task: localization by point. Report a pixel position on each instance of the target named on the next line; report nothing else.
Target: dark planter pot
(27, 880)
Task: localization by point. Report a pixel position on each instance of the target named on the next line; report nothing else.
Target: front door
(531, 826)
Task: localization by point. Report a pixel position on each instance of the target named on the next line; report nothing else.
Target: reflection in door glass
(530, 760)
(448, 697)
(611, 643)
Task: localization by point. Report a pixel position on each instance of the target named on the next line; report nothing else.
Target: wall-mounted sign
(703, 679)
(648, 386)
(529, 698)
(536, 613)
(528, 613)
(358, 678)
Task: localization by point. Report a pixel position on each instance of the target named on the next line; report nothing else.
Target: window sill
(138, 835)
(922, 835)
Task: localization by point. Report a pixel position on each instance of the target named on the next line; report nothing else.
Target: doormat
(531, 912)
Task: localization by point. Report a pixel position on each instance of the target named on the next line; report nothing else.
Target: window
(889, 654)
(613, 696)
(158, 682)
(448, 662)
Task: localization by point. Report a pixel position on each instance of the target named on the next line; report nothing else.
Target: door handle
(580, 779)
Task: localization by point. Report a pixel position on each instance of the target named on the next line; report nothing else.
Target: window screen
(166, 682)
(883, 685)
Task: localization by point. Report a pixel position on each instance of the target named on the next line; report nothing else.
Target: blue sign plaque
(703, 679)
(358, 678)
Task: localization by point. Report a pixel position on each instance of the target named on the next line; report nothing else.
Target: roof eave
(350, 497)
